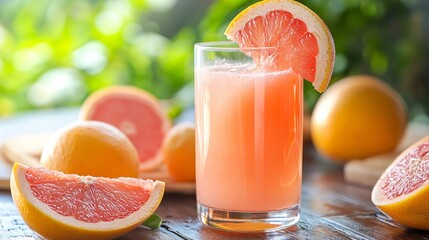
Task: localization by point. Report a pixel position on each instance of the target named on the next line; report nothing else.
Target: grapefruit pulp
(292, 35)
(69, 206)
(136, 113)
(402, 192)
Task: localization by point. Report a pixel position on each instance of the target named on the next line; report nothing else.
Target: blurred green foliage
(55, 52)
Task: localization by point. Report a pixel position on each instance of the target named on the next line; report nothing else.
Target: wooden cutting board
(5, 169)
(26, 149)
(367, 171)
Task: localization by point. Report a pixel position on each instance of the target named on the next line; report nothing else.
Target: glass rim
(227, 46)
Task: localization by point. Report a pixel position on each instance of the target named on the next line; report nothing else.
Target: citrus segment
(402, 192)
(87, 147)
(68, 206)
(290, 35)
(136, 113)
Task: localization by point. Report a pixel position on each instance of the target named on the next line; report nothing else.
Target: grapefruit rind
(179, 152)
(52, 225)
(124, 92)
(410, 210)
(358, 117)
(326, 57)
(68, 143)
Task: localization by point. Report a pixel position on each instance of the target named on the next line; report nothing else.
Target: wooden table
(331, 209)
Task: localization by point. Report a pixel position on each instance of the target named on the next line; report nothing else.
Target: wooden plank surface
(5, 170)
(331, 209)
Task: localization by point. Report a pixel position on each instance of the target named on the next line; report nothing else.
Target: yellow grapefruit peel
(179, 152)
(86, 147)
(358, 117)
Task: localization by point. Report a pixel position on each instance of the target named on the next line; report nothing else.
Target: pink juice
(249, 138)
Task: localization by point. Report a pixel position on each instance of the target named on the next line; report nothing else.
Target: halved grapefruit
(402, 192)
(294, 36)
(69, 206)
(136, 113)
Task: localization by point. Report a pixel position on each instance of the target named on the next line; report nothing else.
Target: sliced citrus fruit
(87, 147)
(402, 192)
(293, 35)
(69, 206)
(136, 113)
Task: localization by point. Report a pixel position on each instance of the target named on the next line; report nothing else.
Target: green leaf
(153, 222)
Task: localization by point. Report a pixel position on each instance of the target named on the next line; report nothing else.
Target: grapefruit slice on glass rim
(402, 192)
(137, 114)
(293, 35)
(69, 206)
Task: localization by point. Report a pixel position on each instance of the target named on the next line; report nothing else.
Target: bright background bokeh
(54, 53)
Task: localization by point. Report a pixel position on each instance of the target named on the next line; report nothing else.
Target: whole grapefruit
(91, 148)
(357, 117)
(179, 152)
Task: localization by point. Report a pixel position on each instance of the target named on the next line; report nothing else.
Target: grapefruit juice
(248, 140)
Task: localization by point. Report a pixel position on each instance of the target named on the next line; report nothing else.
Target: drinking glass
(249, 124)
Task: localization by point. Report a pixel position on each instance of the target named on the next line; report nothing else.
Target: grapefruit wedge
(292, 36)
(402, 192)
(69, 206)
(136, 113)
